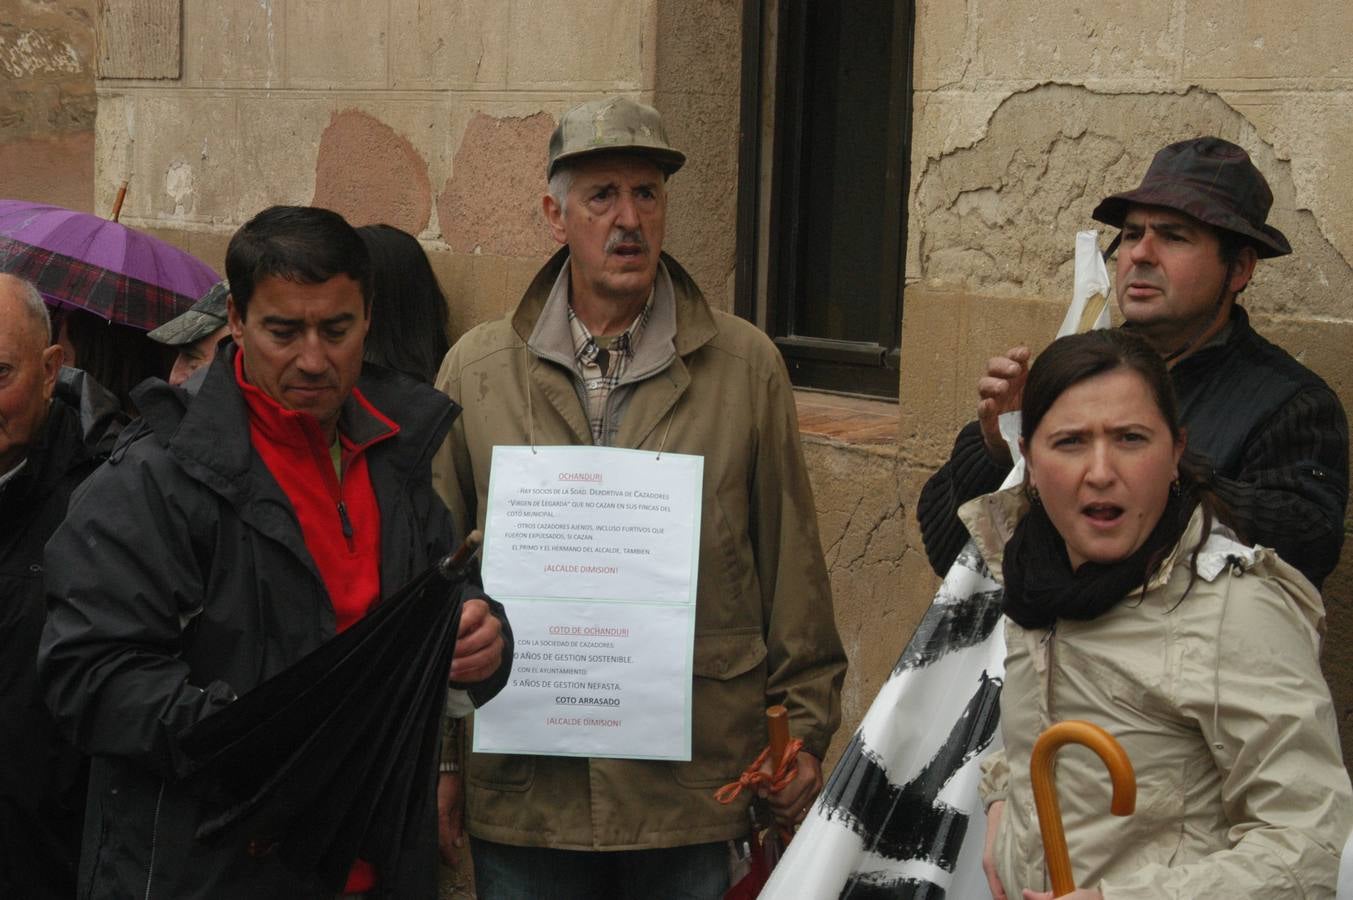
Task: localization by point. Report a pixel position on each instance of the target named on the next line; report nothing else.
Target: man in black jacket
(254, 512)
(56, 426)
(1274, 432)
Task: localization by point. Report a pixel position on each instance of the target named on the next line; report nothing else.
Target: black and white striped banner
(900, 817)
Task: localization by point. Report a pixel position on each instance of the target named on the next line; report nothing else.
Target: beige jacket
(701, 382)
(1219, 701)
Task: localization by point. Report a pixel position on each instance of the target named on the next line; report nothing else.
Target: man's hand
(479, 644)
(450, 809)
(791, 804)
(988, 850)
(1001, 390)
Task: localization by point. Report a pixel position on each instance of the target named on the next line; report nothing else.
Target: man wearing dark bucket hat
(196, 332)
(1190, 237)
(614, 345)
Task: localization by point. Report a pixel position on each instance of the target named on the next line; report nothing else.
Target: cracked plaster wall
(47, 101)
(1027, 112)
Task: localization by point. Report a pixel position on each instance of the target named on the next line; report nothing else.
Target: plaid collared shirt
(602, 363)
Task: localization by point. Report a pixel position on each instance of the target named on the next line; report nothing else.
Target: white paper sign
(594, 552)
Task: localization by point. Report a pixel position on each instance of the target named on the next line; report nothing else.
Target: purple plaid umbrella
(80, 260)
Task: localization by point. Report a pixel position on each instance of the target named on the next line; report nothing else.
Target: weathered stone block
(337, 43)
(1251, 42)
(57, 170)
(1310, 130)
(699, 47)
(947, 338)
(492, 202)
(940, 54)
(861, 519)
(187, 173)
(448, 44)
(279, 138)
(372, 174)
(234, 43)
(548, 35)
(702, 197)
(1068, 40)
(139, 38)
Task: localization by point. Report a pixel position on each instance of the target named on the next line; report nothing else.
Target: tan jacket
(1219, 701)
(701, 382)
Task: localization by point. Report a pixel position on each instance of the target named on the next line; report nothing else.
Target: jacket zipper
(347, 525)
(1052, 669)
(154, 840)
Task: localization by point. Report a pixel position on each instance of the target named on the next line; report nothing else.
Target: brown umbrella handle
(450, 565)
(1045, 792)
(117, 203)
(777, 721)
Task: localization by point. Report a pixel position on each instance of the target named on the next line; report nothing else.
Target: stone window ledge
(847, 420)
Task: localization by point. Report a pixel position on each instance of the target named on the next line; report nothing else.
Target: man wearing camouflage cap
(1275, 434)
(614, 345)
(195, 333)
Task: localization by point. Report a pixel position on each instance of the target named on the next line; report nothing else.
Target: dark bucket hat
(1212, 180)
(609, 125)
(201, 319)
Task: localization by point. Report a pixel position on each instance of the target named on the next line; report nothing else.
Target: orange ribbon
(753, 777)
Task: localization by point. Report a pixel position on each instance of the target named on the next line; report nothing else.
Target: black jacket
(1273, 431)
(42, 777)
(193, 585)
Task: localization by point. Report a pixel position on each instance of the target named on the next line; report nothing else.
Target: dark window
(830, 241)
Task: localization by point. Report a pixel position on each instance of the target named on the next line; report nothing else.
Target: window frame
(767, 284)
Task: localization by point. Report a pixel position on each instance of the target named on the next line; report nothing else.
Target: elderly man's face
(613, 221)
(28, 370)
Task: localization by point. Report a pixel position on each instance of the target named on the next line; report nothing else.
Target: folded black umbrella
(336, 756)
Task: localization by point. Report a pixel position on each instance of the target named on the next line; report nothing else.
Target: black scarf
(1041, 588)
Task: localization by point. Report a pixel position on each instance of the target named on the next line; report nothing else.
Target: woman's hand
(988, 850)
(1078, 894)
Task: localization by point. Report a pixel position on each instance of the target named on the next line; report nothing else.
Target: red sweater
(340, 521)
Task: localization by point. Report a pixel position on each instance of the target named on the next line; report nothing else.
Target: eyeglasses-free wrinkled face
(613, 221)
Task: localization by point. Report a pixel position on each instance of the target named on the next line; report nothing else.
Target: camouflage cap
(609, 125)
(1212, 180)
(201, 319)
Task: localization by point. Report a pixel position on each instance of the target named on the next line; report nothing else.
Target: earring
(1175, 488)
(1032, 493)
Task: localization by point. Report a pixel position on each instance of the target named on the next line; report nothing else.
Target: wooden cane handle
(777, 720)
(1045, 791)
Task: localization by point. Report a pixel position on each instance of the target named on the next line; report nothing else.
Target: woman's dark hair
(304, 244)
(408, 322)
(1070, 360)
(117, 356)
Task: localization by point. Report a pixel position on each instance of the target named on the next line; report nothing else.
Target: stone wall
(47, 102)
(432, 116)
(1027, 113)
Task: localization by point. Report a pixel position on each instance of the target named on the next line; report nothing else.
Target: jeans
(505, 872)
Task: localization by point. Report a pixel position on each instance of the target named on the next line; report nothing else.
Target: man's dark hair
(304, 244)
(408, 328)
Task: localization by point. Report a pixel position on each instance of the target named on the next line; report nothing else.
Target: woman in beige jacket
(1133, 606)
